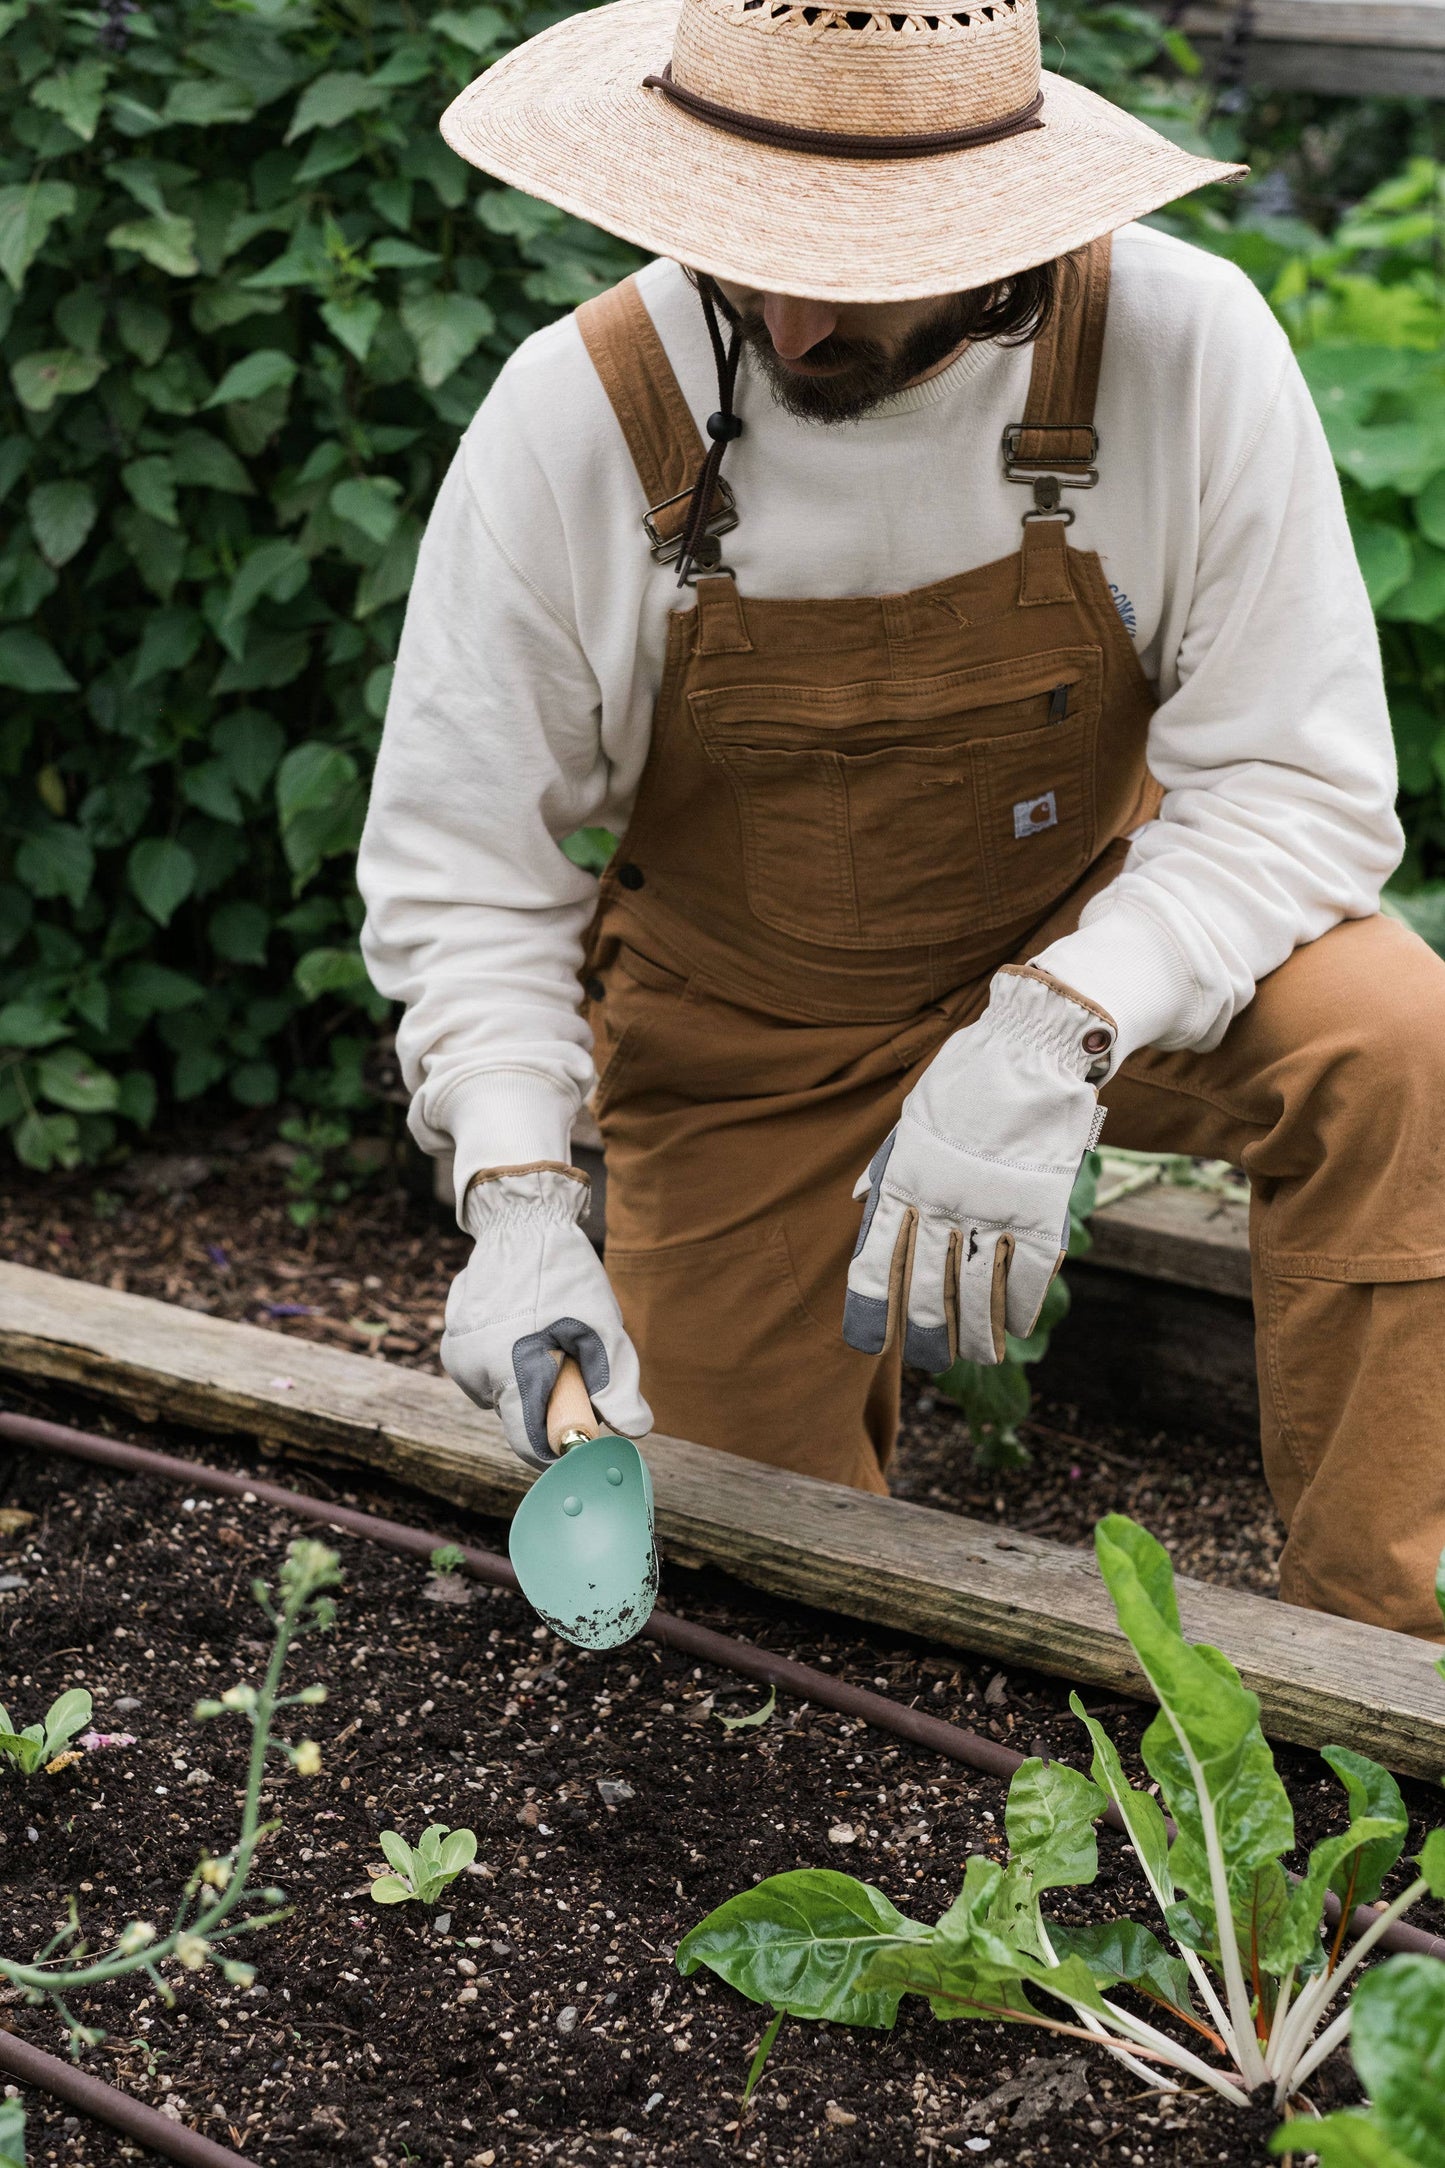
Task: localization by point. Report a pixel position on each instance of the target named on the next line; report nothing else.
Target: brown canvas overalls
(852, 813)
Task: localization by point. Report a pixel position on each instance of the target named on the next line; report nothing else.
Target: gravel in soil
(535, 2014)
(206, 1224)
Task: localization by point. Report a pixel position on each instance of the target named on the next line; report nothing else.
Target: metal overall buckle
(1048, 478)
(666, 549)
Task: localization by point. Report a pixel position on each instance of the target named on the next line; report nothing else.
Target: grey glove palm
(535, 1288)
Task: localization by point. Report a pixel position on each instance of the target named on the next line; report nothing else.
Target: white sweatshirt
(529, 665)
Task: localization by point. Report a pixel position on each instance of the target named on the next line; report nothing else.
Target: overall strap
(1055, 446)
(664, 440)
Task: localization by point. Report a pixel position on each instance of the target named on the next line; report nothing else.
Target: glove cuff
(1031, 1004)
(544, 1189)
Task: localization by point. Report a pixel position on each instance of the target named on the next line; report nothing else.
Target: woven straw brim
(565, 117)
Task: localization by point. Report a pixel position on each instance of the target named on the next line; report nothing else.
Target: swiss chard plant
(423, 1872)
(1397, 2043)
(1240, 1970)
(38, 1745)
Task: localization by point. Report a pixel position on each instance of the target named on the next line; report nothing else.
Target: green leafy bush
(248, 301)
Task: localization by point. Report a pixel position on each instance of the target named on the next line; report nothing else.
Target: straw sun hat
(846, 154)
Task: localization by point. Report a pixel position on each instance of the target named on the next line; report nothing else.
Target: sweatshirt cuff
(504, 1118)
(1127, 963)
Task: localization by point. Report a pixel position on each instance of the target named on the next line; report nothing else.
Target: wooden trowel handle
(569, 1407)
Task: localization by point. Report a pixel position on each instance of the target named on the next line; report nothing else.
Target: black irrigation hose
(48, 2074)
(949, 1740)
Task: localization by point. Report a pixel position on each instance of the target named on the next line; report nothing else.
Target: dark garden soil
(536, 2015)
(206, 1224)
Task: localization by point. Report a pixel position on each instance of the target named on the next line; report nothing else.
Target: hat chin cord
(722, 427)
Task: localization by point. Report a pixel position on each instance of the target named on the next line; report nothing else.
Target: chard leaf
(1348, 2139)
(801, 1942)
(458, 1851)
(1123, 1950)
(982, 1879)
(1398, 2042)
(389, 1889)
(1373, 1795)
(982, 1977)
(1143, 1815)
(1432, 1862)
(1050, 1817)
(67, 1715)
(1207, 1733)
(397, 1850)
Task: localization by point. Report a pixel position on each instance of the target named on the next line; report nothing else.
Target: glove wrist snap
(1033, 1004)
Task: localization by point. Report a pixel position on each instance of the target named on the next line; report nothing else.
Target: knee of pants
(1381, 1088)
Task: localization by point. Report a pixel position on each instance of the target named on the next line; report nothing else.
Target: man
(954, 814)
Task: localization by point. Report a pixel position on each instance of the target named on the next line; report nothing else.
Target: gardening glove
(533, 1289)
(967, 1213)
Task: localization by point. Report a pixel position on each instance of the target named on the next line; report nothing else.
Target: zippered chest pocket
(898, 812)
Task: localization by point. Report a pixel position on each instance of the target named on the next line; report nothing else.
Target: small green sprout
(447, 1557)
(756, 1718)
(39, 1744)
(427, 1871)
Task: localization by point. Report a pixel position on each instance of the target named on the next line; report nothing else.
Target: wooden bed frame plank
(964, 1583)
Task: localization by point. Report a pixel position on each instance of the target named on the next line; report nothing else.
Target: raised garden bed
(366, 2037)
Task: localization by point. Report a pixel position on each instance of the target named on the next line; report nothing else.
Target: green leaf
(169, 641)
(47, 1141)
(370, 503)
(400, 255)
(202, 102)
(331, 971)
(396, 1851)
(58, 861)
(1432, 1862)
(30, 664)
(799, 1941)
(757, 1716)
(334, 98)
(1123, 1950)
(320, 801)
(277, 569)
(266, 370)
(67, 1715)
(1421, 600)
(1347, 2139)
(28, 210)
(445, 328)
(69, 1078)
(59, 373)
(255, 1084)
(1397, 2039)
(25, 1023)
(201, 461)
(210, 789)
(1385, 558)
(391, 576)
(250, 743)
(1373, 1795)
(152, 485)
(167, 240)
(1206, 1735)
(61, 515)
(479, 30)
(1050, 1815)
(1430, 511)
(147, 990)
(138, 1098)
(458, 1851)
(75, 94)
(161, 875)
(239, 932)
(389, 1889)
(353, 323)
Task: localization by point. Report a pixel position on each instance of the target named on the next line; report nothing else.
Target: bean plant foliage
(248, 301)
(1240, 1971)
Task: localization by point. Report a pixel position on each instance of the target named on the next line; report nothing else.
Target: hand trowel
(582, 1539)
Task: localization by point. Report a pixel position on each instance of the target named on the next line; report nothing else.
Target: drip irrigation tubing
(952, 1741)
(92, 2096)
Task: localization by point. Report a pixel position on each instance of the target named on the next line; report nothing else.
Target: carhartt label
(1032, 814)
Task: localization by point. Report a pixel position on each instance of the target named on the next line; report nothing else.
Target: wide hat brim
(565, 117)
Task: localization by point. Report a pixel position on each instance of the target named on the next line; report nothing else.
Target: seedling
(427, 1871)
(757, 1717)
(218, 1900)
(12, 2134)
(1251, 1973)
(38, 1745)
(446, 1558)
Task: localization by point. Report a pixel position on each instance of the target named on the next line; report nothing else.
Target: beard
(861, 373)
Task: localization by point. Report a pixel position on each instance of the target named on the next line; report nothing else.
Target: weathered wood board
(1347, 48)
(1193, 1237)
(951, 1580)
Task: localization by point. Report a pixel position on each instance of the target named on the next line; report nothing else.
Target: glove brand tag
(1033, 814)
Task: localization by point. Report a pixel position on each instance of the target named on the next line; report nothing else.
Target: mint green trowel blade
(582, 1544)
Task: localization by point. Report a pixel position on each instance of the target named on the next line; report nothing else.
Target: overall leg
(733, 1143)
(1327, 1090)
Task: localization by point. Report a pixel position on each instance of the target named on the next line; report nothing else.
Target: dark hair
(1013, 310)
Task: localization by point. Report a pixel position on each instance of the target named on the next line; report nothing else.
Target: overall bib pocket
(897, 812)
